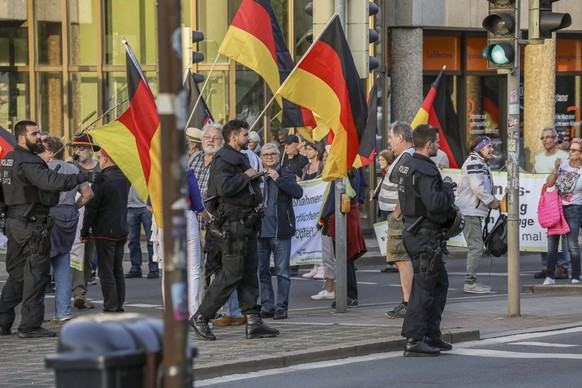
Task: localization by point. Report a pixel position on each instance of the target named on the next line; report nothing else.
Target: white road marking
(505, 354)
(300, 367)
(142, 305)
(545, 344)
(459, 349)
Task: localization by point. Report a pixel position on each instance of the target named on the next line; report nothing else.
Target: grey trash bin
(108, 351)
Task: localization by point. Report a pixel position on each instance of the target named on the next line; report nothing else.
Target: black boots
(257, 329)
(439, 343)
(419, 348)
(201, 328)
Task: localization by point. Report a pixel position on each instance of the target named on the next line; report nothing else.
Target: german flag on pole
(200, 116)
(133, 139)
(326, 82)
(255, 40)
(438, 111)
(368, 141)
(7, 142)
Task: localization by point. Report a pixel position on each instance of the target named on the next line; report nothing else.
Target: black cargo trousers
(237, 271)
(430, 285)
(28, 267)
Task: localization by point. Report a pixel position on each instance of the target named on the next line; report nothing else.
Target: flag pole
(83, 130)
(201, 90)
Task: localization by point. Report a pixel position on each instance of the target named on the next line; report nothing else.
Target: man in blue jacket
(277, 228)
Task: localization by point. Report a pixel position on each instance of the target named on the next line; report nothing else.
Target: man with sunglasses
(82, 157)
(544, 164)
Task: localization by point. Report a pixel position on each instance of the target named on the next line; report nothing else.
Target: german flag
(368, 142)
(201, 116)
(255, 40)
(437, 110)
(326, 82)
(7, 142)
(133, 139)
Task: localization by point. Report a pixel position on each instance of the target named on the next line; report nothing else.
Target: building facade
(62, 62)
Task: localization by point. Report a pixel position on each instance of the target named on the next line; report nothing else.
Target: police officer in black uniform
(236, 196)
(426, 203)
(29, 189)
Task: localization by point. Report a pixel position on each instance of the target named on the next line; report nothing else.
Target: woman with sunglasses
(566, 178)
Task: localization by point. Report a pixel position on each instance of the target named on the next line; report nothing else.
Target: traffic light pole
(513, 143)
(177, 368)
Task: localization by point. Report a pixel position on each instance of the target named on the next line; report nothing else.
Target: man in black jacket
(425, 201)
(277, 228)
(234, 187)
(29, 189)
(106, 216)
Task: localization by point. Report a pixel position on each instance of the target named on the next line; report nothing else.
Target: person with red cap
(82, 148)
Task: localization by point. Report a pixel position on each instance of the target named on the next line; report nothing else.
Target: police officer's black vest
(17, 189)
(411, 204)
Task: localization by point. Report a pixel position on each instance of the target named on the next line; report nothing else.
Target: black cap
(85, 140)
(291, 139)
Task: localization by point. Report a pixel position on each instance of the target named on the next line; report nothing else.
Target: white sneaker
(476, 288)
(319, 274)
(549, 281)
(312, 273)
(575, 281)
(324, 294)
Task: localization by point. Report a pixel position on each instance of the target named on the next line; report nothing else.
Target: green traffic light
(498, 54)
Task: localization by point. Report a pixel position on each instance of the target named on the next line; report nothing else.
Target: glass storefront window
(214, 19)
(49, 33)
(83, 100)
(116, 94)
(136, 21)
(82, 28)
(250, 95)
(50, 103)
(485, 112)
(216, 96)
(302, 27)
(14, 101)
(568, 102)
(13, 46)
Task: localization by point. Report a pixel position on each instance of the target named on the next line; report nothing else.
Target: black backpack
(495, 240)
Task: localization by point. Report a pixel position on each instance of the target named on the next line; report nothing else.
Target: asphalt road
(375, 288)
(525, 360)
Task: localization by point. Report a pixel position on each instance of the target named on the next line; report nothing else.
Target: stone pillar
(406, 73)
(539, 90)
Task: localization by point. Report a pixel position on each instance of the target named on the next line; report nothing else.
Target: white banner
(306, 245)
(381, 231)
(532, 236)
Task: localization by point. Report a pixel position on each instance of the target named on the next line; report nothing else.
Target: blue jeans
(62, 273)
(563, 257)
(231, 307)
(281, 249)
(136, 217)
(573, 216)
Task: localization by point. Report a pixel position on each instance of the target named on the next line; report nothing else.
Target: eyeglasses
(271, 155)
(211, 138)
(547, 138)
(79, 147)
(574, 150)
